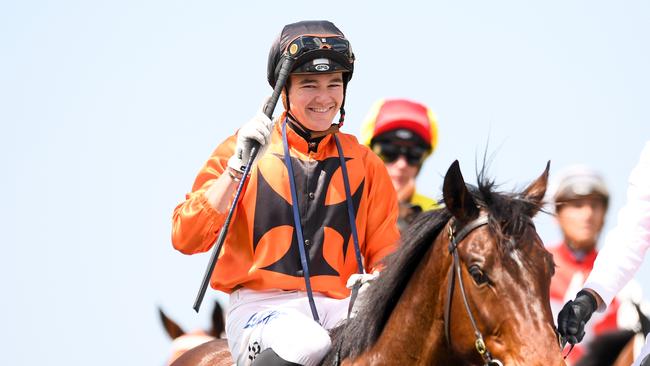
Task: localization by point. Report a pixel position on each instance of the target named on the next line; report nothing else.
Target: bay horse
(469, 285)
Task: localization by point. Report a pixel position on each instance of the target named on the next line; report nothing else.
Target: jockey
(403, 133)
(581, 198)
(624, 249)
(313, 197)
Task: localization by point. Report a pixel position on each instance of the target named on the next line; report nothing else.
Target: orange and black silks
(260, 251)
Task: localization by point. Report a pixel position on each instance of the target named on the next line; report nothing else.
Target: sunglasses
(389, 153)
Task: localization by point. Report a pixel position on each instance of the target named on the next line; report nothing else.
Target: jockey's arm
(221, 191)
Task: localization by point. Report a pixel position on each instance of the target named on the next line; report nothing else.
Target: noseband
(454, 240)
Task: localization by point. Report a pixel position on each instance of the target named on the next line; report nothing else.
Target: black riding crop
(287, 63)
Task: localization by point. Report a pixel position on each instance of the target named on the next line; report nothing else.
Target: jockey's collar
(313, 138)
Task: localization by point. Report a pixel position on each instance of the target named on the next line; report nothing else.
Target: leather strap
(455, 272)
(353, 225)
(297, 225)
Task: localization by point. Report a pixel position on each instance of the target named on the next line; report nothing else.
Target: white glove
(258, 129)
(363, 278)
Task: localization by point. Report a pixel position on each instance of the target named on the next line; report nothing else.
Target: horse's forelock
(510, 216)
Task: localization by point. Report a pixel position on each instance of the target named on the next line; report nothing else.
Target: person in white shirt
(623, 252)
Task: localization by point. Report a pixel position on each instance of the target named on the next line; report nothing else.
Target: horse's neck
(413, 330)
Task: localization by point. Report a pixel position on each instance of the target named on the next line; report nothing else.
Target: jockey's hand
(256, 131)
(362, 278)
(574, 315)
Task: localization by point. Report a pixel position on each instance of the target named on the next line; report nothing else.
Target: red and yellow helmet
(390, 115)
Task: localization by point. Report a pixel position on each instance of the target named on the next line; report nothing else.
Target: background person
(624, 250)
(403, 133)
(581, 198)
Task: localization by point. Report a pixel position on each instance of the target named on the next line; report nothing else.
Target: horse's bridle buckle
(480, 346)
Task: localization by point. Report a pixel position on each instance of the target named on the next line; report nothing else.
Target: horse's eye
(477, 275)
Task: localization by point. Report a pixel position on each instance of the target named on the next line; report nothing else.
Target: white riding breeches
(281, 320)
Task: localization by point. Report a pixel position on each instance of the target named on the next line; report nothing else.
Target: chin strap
(341, 116)
(332, 129)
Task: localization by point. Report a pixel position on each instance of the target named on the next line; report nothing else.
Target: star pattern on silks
(312, 182)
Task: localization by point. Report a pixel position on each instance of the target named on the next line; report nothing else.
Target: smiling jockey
(313, 196)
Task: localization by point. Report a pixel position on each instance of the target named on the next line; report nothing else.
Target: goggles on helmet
(304, 44)
(321, 54)
(389, 153)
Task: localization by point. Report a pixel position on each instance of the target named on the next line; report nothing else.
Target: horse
(616, 348)
(468, 285)
(183, 341)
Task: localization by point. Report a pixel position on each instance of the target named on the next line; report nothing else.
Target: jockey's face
(581, 221)
(315, 99)
(402, 174)
(403, 160)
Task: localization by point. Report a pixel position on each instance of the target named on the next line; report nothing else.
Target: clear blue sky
(109, 108)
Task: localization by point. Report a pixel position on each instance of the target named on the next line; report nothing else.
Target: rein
(454, 241)
(304, 260)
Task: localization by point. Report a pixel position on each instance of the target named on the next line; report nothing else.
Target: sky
(108, 109)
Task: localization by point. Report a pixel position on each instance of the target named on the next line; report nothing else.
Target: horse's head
(468, 285)
(498, 275)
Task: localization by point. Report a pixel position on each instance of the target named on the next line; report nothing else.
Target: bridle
(454, 240)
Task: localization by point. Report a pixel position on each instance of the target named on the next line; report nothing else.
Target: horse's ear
(218, 323)
(456, 195)
(173, 329)
(535, 192)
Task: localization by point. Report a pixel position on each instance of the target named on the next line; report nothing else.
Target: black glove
(574, 315)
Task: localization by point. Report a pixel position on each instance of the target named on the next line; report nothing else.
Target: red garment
(570, 275)
(260, 251)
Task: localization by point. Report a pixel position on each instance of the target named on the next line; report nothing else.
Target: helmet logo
(322, 67)
(321, 64)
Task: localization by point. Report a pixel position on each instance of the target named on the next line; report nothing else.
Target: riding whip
(287, 63)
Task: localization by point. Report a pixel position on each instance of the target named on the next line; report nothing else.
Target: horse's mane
(604, 350)
(509, 216)
(361, 332)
